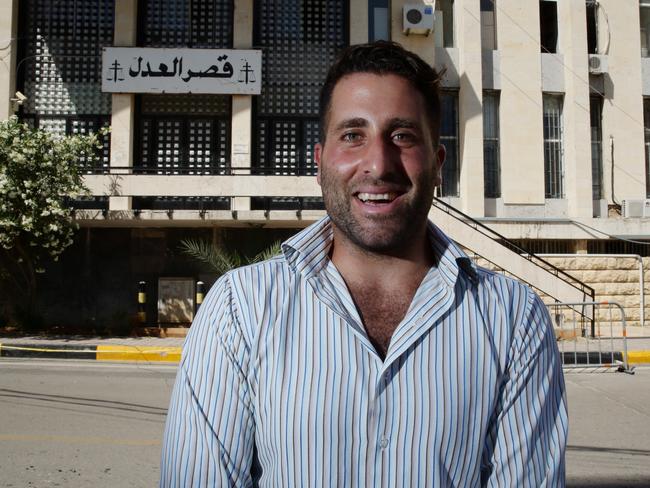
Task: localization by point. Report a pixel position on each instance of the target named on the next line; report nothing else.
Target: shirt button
(383, 442)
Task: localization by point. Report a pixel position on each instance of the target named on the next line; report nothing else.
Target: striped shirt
(279, 385)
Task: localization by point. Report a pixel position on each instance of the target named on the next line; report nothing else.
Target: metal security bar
(586, 344)
(553, 151)
(646, 131)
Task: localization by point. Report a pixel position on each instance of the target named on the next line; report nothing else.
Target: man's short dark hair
(383, 58)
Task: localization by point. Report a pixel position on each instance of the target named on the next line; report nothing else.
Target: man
(371, 352)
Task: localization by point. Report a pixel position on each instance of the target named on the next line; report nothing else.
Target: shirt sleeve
(209, 433)
(527, 438)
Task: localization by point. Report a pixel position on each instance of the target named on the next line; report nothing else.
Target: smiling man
(371, 352)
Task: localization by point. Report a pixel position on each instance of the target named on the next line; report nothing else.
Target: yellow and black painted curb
(100, 353)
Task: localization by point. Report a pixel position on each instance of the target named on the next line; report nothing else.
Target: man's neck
(382, 269)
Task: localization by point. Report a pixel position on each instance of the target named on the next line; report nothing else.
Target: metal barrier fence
(586, 343)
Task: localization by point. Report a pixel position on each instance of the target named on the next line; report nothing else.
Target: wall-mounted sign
(154, 70)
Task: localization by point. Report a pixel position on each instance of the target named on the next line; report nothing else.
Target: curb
(99, 353)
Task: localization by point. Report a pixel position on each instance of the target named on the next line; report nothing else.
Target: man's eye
(404, 137)
(351, 137)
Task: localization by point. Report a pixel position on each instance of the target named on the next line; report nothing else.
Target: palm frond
(271, 251)
(219, 260)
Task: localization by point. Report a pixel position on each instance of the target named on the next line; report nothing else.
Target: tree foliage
(38, 172)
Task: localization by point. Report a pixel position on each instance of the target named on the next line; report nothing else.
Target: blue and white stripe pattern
(277, 368)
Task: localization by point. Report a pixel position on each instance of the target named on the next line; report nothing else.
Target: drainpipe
(635, 256)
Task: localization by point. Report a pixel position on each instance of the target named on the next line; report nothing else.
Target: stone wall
(613, 279)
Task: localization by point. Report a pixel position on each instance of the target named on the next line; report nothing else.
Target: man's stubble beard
(389, 235)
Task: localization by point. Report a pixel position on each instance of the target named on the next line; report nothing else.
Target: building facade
(546, 121)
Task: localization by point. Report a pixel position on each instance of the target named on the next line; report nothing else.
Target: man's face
(379, 164)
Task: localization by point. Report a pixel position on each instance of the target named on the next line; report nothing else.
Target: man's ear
(318, 152)
(441, 153)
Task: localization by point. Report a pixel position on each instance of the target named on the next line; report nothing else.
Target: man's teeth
(376, 196)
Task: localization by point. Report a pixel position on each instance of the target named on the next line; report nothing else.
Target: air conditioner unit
(598, 64)
(636, 208)
(418, 19)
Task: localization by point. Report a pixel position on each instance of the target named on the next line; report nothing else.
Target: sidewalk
(132, 349)
(154, 349)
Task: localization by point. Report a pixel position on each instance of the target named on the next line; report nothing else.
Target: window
(553, 153)
(488, 25)
(646, 124)
(548, 26)
(449, 137)
(644, 6)
(596, 116)
(444, 23)
(184, 133)
(378, 20)
(61, 66)
(300, 40)
(491, 165)
(592, 27)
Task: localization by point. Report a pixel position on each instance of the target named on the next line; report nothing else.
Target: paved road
(83, 423)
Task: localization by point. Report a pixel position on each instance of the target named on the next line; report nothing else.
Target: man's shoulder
(508, 290)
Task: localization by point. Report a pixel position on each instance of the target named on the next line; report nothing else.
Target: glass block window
(553, 151)
(449, 137)
(596, 117)
(491, 164)
(186, 23)
(60, 66)
(184, 134)
(300, 40)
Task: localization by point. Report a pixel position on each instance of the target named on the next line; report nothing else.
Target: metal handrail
(532, 257)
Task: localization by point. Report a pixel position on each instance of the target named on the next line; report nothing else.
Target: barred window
(548, 26)
(553, 151)
(61, 66)
(184, 133)
(596, 117)
(491, 163)
(444, 28)
(449, 137)
(644, 16)
(300, 41)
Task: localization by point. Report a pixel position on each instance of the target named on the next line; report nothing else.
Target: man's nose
(382, 157)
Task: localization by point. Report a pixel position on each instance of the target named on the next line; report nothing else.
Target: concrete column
(577, 137)
(521, 143)
(470, 107)
(241, 125)
(123, 105)
(623, 104)
(8, 43)
(424, 46)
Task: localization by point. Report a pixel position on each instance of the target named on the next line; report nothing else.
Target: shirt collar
(308, 251)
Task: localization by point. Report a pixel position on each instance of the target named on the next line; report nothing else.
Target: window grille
(553, 151)
(186, 23)
(184, 134)
(60, 65)
(646, 124)
(592, 26)
(491, 164)
(595, 115)
(449, 137)
(300, 41)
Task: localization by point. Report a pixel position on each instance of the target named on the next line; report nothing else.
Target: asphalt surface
(75, 423)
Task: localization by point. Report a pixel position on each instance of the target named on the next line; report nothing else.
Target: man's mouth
(377, 198)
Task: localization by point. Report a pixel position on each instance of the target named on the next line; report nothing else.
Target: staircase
(506, 255)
